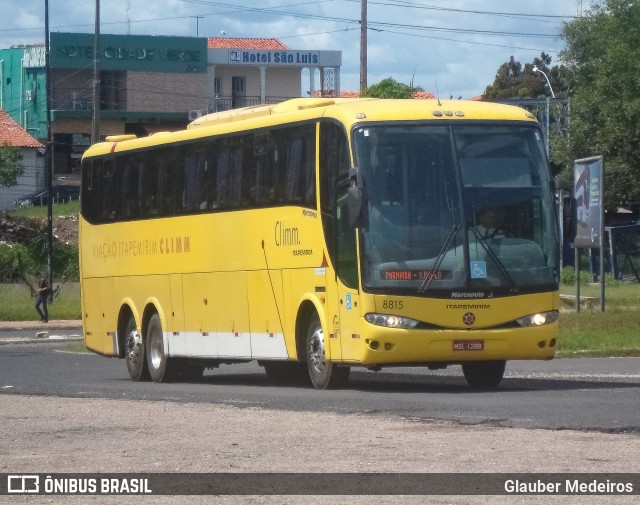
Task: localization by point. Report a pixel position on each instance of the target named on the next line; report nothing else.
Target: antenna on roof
(438, 94)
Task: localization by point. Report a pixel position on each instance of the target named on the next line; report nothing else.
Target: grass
(59, 209)
(16, 303)
(591, 332)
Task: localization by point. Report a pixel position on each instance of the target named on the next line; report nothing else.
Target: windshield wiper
(443, 250)
(490, 252)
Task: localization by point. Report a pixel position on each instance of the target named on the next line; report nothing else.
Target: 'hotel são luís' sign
(282, 57)
(130, 52)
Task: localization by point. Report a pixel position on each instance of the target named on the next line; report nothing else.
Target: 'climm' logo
(285, 235)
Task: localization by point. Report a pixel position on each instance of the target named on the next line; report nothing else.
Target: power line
(273, 11)
(516, 15)
(467, 41)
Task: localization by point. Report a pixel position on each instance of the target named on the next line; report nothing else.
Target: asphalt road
(577, 394)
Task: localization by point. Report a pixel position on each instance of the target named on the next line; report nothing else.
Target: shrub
(568, 276)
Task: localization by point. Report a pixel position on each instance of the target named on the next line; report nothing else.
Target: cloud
(459, 43)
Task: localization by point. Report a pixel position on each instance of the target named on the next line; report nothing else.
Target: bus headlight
(389, 321)
(538, 319)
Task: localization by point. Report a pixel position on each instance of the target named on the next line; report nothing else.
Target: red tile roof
(11, 133)
(423, 95)
(238, 43)
(349, 94)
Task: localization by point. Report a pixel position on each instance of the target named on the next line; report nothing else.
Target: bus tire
(135, 353)
(323, 373)
(160, 366)
(484, 374)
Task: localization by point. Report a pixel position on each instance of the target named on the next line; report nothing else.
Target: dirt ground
(43, 434)
(21, 229)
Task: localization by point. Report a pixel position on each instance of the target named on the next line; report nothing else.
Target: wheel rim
(156, 351)
(134, 346)
(316, 354)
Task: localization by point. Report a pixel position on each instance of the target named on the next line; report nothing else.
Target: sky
(449, 47)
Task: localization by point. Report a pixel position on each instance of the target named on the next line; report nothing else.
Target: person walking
(44, 290)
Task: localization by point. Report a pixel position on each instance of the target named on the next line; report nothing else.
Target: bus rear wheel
(135, 354)
(160, 366)
(484, 374)
(322, 372)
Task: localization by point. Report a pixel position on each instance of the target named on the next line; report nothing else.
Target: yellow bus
(316, 235)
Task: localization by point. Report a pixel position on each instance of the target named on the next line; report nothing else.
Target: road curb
(49, 339)
(37, 332)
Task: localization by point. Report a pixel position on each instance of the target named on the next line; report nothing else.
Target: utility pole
(95, 130)
(363, 46)
(48, 157)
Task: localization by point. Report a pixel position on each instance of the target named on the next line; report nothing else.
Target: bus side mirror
(356, 200)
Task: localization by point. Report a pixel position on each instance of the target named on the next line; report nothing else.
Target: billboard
(139, 53)
(588, 175)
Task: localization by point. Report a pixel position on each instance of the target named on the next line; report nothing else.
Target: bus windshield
(461, 207)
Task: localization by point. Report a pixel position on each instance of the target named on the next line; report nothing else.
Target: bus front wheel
(135, 352)
(160, 367)
(483, 374)
(322, 372)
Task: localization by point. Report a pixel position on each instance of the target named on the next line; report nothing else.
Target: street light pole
(537, 70)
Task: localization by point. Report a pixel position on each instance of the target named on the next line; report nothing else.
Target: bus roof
(347, 110)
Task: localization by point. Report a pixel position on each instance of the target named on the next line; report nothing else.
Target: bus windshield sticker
(478, 269)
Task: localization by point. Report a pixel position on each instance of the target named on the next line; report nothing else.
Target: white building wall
(284, 82)
(280, 82)
(32, 180)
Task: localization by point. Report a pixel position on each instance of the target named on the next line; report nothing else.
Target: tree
(10, 166)
(390, 88)
(603, 54)
(513, 81)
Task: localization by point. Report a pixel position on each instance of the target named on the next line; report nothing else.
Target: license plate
(468, 345)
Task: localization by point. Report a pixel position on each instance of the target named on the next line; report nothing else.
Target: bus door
(100, 321)
(344, 296)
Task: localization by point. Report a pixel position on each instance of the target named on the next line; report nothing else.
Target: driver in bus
(489, 224)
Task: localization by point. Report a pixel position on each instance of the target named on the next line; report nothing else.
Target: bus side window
(131, 173)
(295, 159)
(310, 169)
(107, 198)
(249, 170)
(149, 188)
(89, 199)
(194, 196)
(334, 166)
(229, 176)
(160, 182)
(265, 180)
(297, 169)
